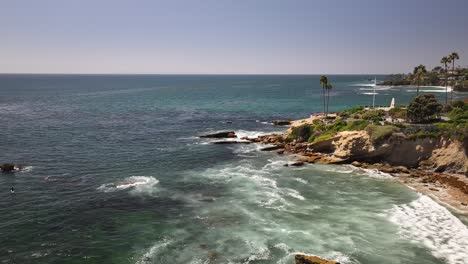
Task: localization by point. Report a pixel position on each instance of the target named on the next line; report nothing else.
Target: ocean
(115, 173)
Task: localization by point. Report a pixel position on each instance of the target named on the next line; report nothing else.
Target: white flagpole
(373, 96)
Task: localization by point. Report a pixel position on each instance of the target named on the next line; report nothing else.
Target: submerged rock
(7, 167)
(272, 148)
(281, 122)
(303, 259)
(230, 142)
(297, 164)
(228, 134)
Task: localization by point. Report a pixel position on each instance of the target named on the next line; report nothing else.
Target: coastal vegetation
(422, 118)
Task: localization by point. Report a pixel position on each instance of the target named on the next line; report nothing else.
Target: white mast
(373, 94)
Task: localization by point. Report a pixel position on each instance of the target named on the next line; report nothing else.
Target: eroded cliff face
(438, 154)
(450, 156)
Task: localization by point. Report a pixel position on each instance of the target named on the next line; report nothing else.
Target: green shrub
(373, 115)
(453, 130)
(423, 108)
(302, 132)
(422, 134)
(459, 104)
(458, 115)
(322, 137)
(350, 112)
(398, 112)
(337, 125)
(379, 133)
(356, 125)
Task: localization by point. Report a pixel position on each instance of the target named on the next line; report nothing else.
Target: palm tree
(445, 61)
(323, 82)
(328, 87)
(453, 57)
(419, 73)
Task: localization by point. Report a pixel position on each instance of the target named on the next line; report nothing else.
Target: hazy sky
(218, 36)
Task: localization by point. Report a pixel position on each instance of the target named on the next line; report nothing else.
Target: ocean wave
(426, 91)
(431, 224)
(363, 85)
(138, 184)
(369, 93)
(259, 183)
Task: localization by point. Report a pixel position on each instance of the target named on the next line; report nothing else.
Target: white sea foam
(266, 192)
(254, 134)
(150, 254)
(429, 223)
(429, 89)
(139, 184)
(369, 84)
(301, 180)
(369, 93)
(373, 173)
(26, 169)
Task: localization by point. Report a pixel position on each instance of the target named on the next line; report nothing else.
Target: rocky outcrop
(394, 154)
(357, 146)
(303, 259)
(229, 134)
(281, 122)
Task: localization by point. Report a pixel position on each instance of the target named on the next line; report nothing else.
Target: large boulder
(303, 259)
(227, 134)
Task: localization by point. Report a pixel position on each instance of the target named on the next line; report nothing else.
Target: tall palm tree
(453, 57)
(445, 61)
(328, 87)
(419, 73)
(323, 82)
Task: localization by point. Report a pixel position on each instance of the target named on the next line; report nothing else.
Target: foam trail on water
(138, 184)
(426, 221)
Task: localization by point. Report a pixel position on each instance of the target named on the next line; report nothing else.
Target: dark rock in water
(228, 122)
(271, 148)
(280, 152)
(297, 163)
(7, 167)
(281, 122)
(303, 259)
(229, 134)
(203, 246)
(230, 142)
(286, 165)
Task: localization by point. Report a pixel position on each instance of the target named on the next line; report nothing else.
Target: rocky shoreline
(449, 187)
(435, 167)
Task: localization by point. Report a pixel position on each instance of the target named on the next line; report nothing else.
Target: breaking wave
(427, 222)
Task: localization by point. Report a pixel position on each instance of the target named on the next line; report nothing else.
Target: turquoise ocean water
(116, 174)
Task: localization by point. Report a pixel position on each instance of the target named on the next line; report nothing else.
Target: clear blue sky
(238, 36)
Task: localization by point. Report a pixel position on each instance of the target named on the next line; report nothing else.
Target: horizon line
(79, 73)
